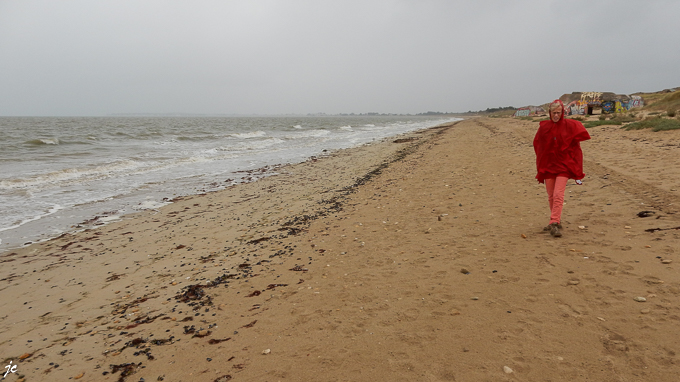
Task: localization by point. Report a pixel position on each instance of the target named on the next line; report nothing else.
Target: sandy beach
(419, 258)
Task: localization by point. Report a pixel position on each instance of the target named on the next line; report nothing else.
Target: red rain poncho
(557, 147)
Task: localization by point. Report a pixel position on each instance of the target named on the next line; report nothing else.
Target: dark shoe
(549, 226)
(555, 230)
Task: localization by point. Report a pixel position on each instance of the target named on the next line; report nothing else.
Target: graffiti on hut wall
(623, 106)
(608, 102)
(608, 107)
(620, 107)
(592, 98)
(529, 111)
(635, 101)
(576, 108)
(578, 103)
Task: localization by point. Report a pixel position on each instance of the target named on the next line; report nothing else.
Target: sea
(57, 173)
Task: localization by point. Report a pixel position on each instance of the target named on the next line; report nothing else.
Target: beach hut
(589, 103)
(529, 111)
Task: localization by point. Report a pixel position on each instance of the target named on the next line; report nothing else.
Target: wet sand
(417, 258)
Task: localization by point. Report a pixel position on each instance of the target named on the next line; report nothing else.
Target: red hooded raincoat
(557, 147)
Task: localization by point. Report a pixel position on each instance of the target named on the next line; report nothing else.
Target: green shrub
(647, 123)
(590, 124)
(656, 124)
(602, 117)
(625, 117)
(667, 124)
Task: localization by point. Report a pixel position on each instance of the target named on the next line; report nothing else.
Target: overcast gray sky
(97, 57)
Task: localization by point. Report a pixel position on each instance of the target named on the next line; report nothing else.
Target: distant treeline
(488, 110)
(434, 113)
(494, 110)
(353, 114)
(427, 113)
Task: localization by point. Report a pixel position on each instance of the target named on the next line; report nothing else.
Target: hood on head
(556, 102)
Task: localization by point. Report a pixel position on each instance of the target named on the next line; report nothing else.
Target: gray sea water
(57, 172)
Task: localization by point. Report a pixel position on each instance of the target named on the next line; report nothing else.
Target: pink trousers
(555, 188)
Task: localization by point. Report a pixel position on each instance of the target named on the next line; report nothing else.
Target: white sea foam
(171, 141)
(109, 218)
(256, 145)
(346, 128)
(70, 174)
(310, 134)
(44, 141)
(149, 205)
(196, 159)
(49, 212)
(254, 134)
(297, 127)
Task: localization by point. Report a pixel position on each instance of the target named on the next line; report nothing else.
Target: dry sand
(420, 260)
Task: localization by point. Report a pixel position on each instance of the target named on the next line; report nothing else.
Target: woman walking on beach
(558, 159)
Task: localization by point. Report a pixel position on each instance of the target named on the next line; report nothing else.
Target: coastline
(389, 261)
(116, 180)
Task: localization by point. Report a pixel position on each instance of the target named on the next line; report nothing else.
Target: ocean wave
(309, 134)
(247, 145)
(198, 138)
(149, 205)
(297, 127)
(44, 141)
(253, 134)
(58, 142)
(70, 174)
(346, 128)
(49, 212)
(190, 139)
(256, 145)
(165, 143)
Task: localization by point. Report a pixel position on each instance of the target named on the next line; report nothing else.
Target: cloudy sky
(98, 57)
